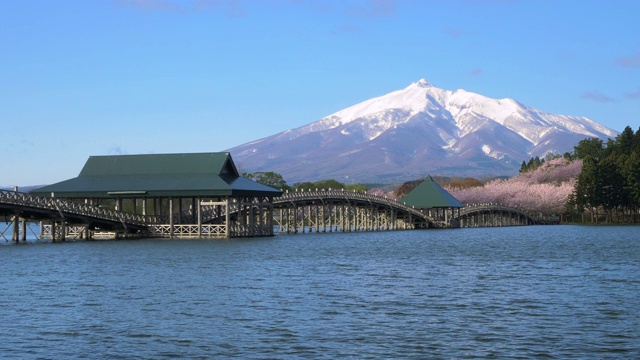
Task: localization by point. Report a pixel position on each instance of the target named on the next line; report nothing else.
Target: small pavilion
(182, 195)
(434, 201)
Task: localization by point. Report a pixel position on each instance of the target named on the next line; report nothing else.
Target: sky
(106, 77)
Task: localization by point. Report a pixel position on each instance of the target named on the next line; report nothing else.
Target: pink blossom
(543, 191)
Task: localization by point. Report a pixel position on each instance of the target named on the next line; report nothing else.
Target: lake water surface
(514, 292)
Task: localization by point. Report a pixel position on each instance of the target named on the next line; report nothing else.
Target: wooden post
(261, 217)
(63, 230)
(295, 219)
(16, 228)
(199, 209)
(317, 219)
(227, 216)
(356, 217)
(16, 222)
(24, 230)
(270, 215)
(252, 218)
(171, 229)
(193, 208)
(305, 210)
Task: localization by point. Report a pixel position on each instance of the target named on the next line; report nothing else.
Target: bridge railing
(489, 207)
(322, 195)
(63, 206)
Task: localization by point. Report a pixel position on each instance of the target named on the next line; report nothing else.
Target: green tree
(304, 185)
(635, 144)
(268, 178)
(329, 184)
(612, 184)
(357, 187)
(624, 141)
(589, 147)
(610, 176)
(588, 188)
(631, 173)
(571, 206)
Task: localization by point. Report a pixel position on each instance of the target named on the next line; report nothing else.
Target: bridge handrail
(470, 208)
(75, 208)
(310, 195)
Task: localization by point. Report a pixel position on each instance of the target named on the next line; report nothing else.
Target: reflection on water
(551, 291)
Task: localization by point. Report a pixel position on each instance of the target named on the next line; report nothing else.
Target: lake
(513, 292)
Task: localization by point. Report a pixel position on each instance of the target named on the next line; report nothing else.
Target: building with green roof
(190, 195)
(434, 201)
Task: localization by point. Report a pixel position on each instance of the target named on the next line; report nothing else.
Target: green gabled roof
(430, 195)
(198, 174)
(160, 164)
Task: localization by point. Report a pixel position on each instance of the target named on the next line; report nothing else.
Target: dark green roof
(430, 195)
(198, 174)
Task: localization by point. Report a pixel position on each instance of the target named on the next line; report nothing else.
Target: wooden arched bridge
(487, 215)
(342, 210)
(293, 212)
(19, 205)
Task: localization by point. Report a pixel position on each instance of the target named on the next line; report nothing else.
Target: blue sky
(104, 77)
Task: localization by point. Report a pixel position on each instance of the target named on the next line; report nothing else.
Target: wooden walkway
(62, 213)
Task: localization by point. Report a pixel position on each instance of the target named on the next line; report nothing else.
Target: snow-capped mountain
(416, 131)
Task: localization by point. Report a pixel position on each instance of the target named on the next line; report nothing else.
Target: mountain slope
(417, 131)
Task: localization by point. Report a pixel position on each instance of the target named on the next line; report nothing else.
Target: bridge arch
(488, 215)
(343, 210)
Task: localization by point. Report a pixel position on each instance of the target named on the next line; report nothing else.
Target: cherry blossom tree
(544, 190)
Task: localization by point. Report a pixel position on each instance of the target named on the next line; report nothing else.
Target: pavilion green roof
(195, 174)
(429, 195)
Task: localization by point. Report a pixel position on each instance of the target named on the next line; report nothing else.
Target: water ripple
(559, 292)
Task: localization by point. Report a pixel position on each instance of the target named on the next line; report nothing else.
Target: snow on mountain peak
(416, 130)
(412, 99)
(423, 83)
(469, 111)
